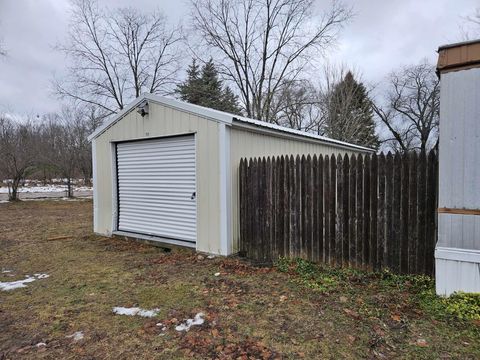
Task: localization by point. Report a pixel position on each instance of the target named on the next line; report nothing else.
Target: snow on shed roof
(220, 116)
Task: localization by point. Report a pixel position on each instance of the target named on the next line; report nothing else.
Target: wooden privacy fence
(369, 212)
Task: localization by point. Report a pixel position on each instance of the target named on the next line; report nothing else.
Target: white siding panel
(459, 165)
(460, 139)
(457, 270)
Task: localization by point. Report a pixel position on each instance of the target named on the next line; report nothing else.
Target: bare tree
(117, 54)
(84, 125)
(409, 112)
(470, 27)
(18, 149)
(261, 45)
(3, 51)
(65, 145)
(298, 106)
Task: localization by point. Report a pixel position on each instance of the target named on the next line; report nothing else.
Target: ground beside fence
(293, 311)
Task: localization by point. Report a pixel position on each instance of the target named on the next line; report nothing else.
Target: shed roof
(223, 117)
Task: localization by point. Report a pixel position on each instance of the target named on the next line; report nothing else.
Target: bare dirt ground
(292, 311)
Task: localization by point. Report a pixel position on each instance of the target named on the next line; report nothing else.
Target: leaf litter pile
(204, 307)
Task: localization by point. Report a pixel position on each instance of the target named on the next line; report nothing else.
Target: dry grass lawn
(249, 312)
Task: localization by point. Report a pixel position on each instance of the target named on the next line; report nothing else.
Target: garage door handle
(194, 195)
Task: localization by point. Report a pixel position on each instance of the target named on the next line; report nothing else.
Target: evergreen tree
(204, 88)
(190, 90)
(350, 114)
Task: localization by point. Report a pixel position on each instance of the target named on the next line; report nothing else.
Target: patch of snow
(135, 311)
(211, 257)
(6, 286)
(197, 320)
(6, 271)
(45, 189)
(76, 336)
(162, 326)
(40, 344)
(41, 276)
(216, 274)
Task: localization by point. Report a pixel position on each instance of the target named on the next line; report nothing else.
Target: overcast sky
(383, 36)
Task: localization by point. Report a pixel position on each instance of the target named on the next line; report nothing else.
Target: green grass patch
(421, 288)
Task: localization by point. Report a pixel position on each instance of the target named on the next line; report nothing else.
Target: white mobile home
(457, 255)
(166, 171)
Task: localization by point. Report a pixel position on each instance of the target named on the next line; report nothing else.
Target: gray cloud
(383, 35)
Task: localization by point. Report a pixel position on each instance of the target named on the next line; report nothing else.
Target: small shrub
(463, 306)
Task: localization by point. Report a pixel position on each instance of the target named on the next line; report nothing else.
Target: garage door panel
(156, 180)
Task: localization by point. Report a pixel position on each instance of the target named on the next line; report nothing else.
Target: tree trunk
(69, 188)
(13, 190)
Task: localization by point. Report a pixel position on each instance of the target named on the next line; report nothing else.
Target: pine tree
(190, 90)
(211, 87)
(204, 88)
(350, 114)
(230, 102)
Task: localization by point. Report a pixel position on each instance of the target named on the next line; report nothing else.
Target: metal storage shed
(167, 171)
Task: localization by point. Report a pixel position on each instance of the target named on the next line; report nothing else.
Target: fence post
(286, 205)
(315, 230)
(303, 208)
(404, 215)
(381, 213)
(327, 199)
(293, 203)
(308, 209)
(430, 212)
(321, 212)
(397, 191)
(422, 198)
(352, 223)
(346, 210)
(333, 203)
(339, 212)
(268, 203)
(374, 212)
(242, 197)
(412, 215)
(359, 222)
(366, 212)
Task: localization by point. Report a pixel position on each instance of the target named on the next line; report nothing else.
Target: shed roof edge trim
(256, 124)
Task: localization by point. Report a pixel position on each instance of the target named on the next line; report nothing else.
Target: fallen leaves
(352, 313)
(220, 348)
(421, 343)
(396, 317)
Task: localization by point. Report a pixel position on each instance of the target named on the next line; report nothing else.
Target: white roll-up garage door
(156, 187)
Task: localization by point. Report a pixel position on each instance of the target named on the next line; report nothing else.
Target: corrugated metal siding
(452, 274)
(164, 121)
(249, 144)
(156, 181)
(459, 166)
